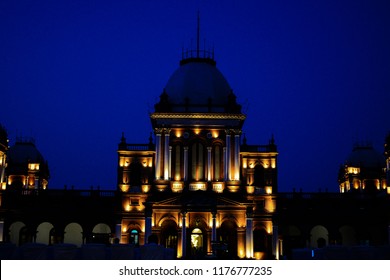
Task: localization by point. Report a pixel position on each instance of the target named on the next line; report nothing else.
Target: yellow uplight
(178, 133)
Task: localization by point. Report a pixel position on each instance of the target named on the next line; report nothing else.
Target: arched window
(197, 161)
(218, 162)
(176, 162)
(169, 234)
(259, 176)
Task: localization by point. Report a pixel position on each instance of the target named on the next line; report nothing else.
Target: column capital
(158, 131)
(230, 131)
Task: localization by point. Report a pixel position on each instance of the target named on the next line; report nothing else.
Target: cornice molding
(212, 116)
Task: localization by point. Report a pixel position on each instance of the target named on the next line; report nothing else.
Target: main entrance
(197, 242)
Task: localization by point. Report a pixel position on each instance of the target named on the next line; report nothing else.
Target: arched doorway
(101, 234)
(197, 242)
(15, 231)
(134, 237)
(169, 235)
(73, 234)
(227, 237)
(319, 237)
(260, 240)
(43, 233)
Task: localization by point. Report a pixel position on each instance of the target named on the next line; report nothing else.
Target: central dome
(198, 82)
(198, 86)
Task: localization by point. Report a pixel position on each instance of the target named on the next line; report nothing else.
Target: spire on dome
(198, 55)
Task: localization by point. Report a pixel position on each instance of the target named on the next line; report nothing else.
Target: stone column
(184, 234)
(209, 164)
(228, 156)
(225, 164)
(214, 227)
(148, 221)
(281, 248)
(275, 241)
(158, 155)
(236, 157)
(185, 164)
(170, 163)
(166, 155)
(148, 227)
(249, 235)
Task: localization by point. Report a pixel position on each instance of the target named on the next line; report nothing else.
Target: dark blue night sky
(75, 74)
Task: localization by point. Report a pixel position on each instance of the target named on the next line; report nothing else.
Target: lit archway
(43, 233)
(196, 241)
(319, 237)
(101, 234)
(73, 234)
(14, 232)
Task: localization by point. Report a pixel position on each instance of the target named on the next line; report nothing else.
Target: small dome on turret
(25, 151)
(364, 170)
(26, 168)
(365, 156)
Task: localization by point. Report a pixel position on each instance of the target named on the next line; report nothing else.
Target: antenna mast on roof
(197, 38)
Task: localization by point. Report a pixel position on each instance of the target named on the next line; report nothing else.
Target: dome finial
(198, 54)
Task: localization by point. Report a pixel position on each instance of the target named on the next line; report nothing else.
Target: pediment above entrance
(199, 200)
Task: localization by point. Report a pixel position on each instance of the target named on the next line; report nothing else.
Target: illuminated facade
(200, 186)
(27, 169)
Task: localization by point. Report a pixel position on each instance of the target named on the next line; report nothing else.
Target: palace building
(200, 185)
